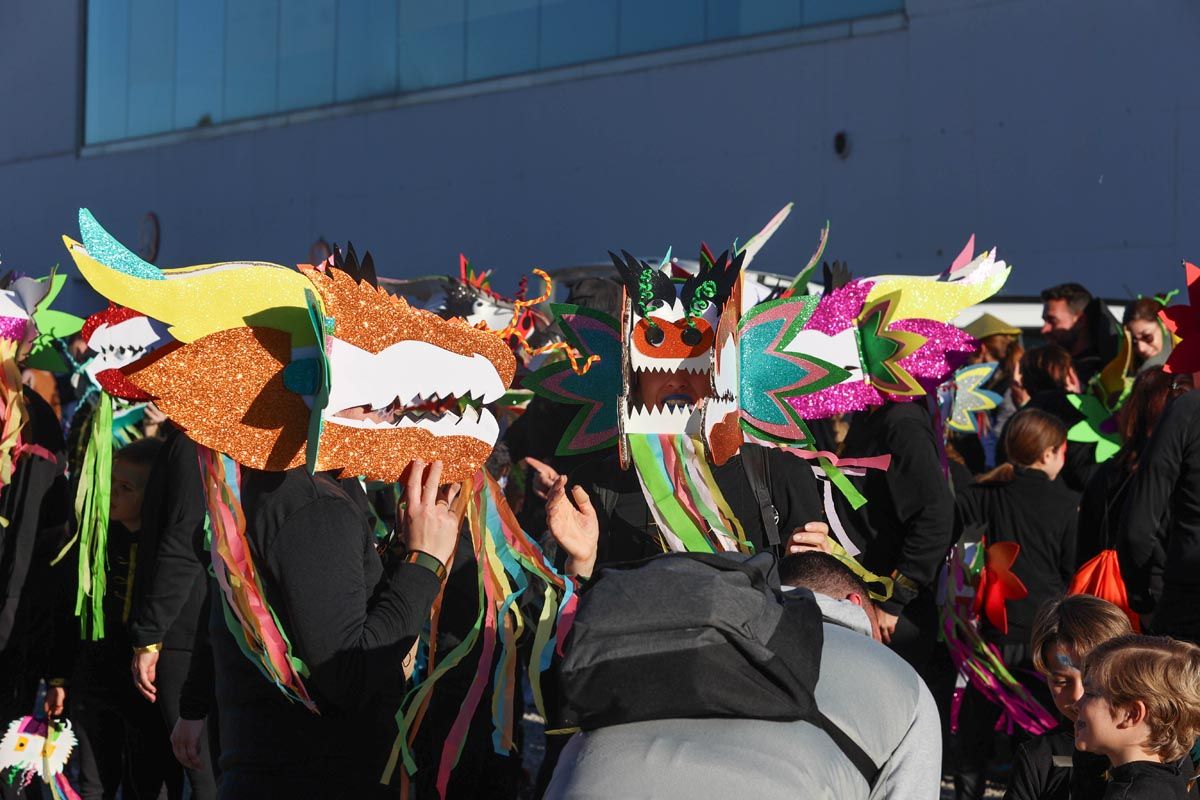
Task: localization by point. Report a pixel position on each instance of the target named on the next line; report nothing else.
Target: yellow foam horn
(197, 301)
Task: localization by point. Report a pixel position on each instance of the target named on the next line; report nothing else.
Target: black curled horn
(722, 271)
(631, 270)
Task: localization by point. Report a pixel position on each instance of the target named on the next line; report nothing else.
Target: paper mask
(964, 400)
(279, 368)
(781, 363)
(33, 746)
(808, 358)
(120, 336)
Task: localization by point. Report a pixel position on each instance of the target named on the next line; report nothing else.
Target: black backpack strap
(849, 748)
(758, 472)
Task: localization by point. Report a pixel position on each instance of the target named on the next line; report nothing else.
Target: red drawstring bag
(1101, 577)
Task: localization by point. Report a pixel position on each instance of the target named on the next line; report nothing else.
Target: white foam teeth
(412, 371)
(661, 419)
(478, 423)
(700, 365)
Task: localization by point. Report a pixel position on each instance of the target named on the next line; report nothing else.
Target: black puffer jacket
(1160, 528)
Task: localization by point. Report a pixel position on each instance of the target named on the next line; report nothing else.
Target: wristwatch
(431, 563)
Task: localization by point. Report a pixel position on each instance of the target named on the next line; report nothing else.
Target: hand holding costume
(315, 371)
(769, 367)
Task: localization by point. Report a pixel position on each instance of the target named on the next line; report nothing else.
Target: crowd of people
(238, 564)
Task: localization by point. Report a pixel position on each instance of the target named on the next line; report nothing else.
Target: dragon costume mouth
(415, 384)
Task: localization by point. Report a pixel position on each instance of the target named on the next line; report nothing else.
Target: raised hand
(430, 524)
(573, 523)
(544, 477)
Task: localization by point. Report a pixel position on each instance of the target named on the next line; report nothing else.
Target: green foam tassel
(91, 514)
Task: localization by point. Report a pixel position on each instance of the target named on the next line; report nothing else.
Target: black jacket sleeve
(353, 643)
(169, 578)
(1141, 542)
(197, 694)
(1095, 524)
(1028, 777)
(923, 504)
(795, 491)
(1067, 547)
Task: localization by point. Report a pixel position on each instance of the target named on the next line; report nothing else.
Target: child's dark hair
(140, 453)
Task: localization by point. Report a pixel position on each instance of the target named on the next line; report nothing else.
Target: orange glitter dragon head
(280, 368)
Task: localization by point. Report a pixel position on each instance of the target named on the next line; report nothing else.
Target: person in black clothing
(1048, 767)
(348, 619)
(1019, 502)
(907, 525)
(1104, 498)
(36, 506)
(33, 502)
(1082, 325)
(122, 740)
(533, 437)
(1159, 531)
(1141, 709)
(170, 596)
(628, 531)
(1049, 377)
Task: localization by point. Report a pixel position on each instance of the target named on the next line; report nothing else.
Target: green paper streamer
(839, 479)
(91, 514)
(650, 468)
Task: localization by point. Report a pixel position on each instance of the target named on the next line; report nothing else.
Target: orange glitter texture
(372, 319)
(226, 390)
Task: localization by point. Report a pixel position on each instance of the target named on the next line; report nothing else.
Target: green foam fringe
(91, 514)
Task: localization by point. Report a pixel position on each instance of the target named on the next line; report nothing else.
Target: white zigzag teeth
(478, 423)
(699, 365)
(660, 419)
(641, 362)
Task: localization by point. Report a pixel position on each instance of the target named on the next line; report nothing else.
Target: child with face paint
(1065, 631)
(1141, 709)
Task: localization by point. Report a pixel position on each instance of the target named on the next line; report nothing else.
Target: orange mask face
(332, 372)
(671, 331)
(657, 339)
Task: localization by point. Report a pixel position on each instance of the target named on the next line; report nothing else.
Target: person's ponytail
(1001, 474)
(1029, 434)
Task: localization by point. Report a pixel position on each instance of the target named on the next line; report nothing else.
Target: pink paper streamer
(458, 731)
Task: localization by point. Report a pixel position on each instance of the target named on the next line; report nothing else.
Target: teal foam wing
(591, 332)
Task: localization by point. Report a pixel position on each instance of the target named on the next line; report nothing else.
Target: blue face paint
(1065, 660)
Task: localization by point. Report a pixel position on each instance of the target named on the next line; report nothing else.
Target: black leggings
(122, 744)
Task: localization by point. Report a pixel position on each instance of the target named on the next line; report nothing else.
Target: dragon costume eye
(691, 336)
(655, 336)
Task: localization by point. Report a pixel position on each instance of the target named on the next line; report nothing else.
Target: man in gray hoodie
(866, 689)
